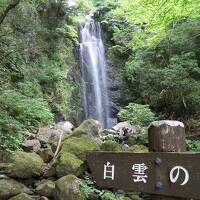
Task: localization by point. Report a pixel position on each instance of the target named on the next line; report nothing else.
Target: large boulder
(10, 187)
(44, 135)
(68, 188)
(110, 145)
(49, 135)
(22, 196)
(80, 146)
(90, 128)
(65, 126)
(68, 163)
(106, 132)
(46, 154)
(46, 188)
(24, 165)
(31, 145)
(125, 128)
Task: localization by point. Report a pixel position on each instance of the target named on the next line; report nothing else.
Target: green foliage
(31, 112)
(159, 42)
(91, 191)
(157, 16)
(193, 145)
(11, 132)
(105, 5)
(18, 114)
(37, 52)
(168, 85)
(81, 10)
(136, 114)
(140, 138)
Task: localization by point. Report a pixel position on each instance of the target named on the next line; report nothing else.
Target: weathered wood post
(166, 136)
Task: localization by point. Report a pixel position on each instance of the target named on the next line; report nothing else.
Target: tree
(9, 7)
(157, 16)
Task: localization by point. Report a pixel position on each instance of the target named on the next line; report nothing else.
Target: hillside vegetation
(154, 47)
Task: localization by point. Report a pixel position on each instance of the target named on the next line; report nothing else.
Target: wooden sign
(170, 174)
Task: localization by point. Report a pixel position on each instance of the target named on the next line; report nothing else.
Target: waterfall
(93, 73)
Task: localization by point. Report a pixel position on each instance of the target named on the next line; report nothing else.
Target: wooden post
(166, 136)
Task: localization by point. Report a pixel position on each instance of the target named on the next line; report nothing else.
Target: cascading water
(93, 72)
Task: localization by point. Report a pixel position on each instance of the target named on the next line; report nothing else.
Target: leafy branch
(7, 9)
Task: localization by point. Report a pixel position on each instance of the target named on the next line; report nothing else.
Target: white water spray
(93, 71)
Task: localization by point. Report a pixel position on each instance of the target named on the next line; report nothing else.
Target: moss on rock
(134, 196)
(111, 146)
(67, 163)
(46, 188)
(10, 188)
(79, 146)
(68, 187)
(22, 196)
(44, 198)
(138, 149)
(24, 165)
(126, 198)
(89, 128)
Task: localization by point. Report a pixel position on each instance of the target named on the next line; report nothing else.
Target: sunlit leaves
(158, 16)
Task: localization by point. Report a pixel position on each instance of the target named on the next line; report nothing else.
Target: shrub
(18, 114)
(92, 192)
(193, 145)
(11, 132)
(139, 139)
(136, 114)
(31, 112)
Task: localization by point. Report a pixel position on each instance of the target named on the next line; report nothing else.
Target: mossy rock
(46, 154)
(68, 187)
(79, 146)
(50, 172)
(10, 188)
(134, 196)
(111, 146)
(138, 149)
(126, 198)
(44, 198)
(88, 128)
(46, 188)
(22, 196)
(67, 163)
(24, 165)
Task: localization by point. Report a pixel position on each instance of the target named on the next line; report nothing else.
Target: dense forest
(152, 49)
(153, 46)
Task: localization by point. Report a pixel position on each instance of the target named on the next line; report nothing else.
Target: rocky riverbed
(52, 164)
